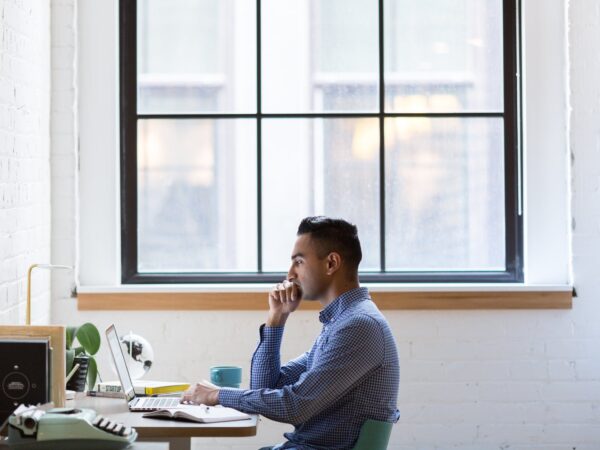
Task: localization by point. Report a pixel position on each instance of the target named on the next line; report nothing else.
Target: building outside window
(393, 114)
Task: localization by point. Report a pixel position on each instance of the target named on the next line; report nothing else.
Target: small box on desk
(24, 373)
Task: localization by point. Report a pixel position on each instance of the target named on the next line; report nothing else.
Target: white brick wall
(64, 145)
(24, 157)
(471, 380)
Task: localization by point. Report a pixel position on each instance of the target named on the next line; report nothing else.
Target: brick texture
(64, 148)
(24, 157)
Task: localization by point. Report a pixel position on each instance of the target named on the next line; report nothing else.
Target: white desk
(177, 433)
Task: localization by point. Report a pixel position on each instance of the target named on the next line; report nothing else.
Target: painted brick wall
(24, 157)
(475, 380)
(64, 145)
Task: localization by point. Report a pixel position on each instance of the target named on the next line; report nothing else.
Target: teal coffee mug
(226, 376)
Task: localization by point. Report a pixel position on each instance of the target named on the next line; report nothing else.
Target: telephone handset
(34, 428)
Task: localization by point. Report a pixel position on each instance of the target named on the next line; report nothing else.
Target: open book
(198, 413)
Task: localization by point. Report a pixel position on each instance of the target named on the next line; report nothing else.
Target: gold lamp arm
(41, 266)
(28, 313)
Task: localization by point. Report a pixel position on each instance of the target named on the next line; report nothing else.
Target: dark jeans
(265, 448)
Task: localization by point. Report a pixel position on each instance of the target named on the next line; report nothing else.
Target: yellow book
(169, 389)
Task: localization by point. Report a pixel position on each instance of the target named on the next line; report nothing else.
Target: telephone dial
(32, 428)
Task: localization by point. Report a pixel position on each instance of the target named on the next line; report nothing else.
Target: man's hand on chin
(284, 299)
(202, 393)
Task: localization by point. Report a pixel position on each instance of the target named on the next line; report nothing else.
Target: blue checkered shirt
(350, 374)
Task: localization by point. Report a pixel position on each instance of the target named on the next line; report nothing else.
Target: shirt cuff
(270, 337)
(231, 397)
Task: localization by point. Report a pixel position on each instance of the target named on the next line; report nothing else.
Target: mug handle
(217, 376)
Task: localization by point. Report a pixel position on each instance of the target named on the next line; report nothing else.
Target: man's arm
(351, 353)
(266, 370)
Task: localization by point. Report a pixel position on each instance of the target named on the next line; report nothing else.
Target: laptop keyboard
(157, 402)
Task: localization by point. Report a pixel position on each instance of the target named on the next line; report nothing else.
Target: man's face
(308, 270)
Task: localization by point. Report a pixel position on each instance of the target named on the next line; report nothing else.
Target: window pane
(311, 49)
(197, 195)
(444, 194)
(196, 56)
(443, 55)
(197, 178)
(314, 167)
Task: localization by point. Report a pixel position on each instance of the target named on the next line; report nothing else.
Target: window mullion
(258, 137)
(381, 141)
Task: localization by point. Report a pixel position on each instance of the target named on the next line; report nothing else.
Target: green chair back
(374, 435)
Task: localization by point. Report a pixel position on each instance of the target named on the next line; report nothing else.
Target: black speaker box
(24, 373)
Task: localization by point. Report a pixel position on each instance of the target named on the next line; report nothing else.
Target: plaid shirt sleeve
(266, 370)
(345, 357)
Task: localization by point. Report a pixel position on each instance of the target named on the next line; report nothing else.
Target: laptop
(134, 403)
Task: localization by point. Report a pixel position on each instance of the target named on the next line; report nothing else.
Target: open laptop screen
(119, 359)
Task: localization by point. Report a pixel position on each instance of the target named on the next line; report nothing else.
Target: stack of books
(142, 387)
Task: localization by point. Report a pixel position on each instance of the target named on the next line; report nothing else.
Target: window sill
(387, 297)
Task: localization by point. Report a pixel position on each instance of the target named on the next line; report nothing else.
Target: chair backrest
(374, 435)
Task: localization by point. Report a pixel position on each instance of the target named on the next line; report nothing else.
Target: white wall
(471, 380)
(64, 143)
(24, 157)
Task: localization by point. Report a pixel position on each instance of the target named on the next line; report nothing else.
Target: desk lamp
(39, 266)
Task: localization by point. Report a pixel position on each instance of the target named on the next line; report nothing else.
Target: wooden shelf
(254, 301)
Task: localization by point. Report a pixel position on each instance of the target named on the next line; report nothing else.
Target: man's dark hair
(333, 235)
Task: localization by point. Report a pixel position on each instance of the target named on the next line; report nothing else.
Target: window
(240, 117)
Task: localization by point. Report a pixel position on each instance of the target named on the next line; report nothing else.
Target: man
(350, 374)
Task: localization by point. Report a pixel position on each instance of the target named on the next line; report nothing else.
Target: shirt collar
(336, 307)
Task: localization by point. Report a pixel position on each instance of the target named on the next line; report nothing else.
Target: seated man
(350, 374)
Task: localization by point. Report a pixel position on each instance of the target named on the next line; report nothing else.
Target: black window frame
(512, 163)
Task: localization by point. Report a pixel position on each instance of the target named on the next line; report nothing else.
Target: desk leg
(175, 443)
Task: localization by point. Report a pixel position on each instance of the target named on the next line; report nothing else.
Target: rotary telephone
(32, 428)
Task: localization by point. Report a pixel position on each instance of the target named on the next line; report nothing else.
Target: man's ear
(334, 262)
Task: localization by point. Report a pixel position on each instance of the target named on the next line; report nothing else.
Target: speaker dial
(15, 385)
